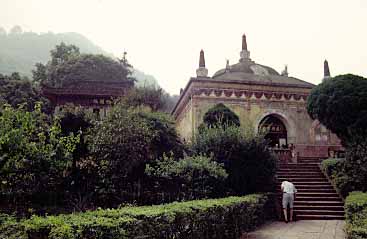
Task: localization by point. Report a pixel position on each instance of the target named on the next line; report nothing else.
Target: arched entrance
(274, 130)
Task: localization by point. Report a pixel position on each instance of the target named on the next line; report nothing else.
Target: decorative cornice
(224, 94)
(287, 93)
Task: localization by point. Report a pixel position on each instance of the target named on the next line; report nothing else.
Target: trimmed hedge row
(356, 215)
(333, 169)
(212, 218)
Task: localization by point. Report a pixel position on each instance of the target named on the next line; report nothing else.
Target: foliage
(67, 66)
(214, 218)
(16, 90)
(341, 105)
(126, 140)
(220, 115)
(33, 153)
(189, 178)
(356, 215)
(245, 156)
(334, 170)
(145, 96)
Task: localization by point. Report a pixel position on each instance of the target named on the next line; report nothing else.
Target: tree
(16, 90)
(250, 165)
(2, 31)
(126, 140)
(341, 105)
(68, 66)
(40, 73)
(33, 154)
(63, 53)
(220, 115)
(145, 97)
(16, 30)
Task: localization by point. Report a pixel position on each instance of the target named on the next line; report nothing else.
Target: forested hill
(20, 51)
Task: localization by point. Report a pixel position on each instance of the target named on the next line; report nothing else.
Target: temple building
(95, 96)
(261, 97)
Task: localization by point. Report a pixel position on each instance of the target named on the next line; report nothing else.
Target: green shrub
(331, 166)
(123, 143)
(250, 165)
(188, 178)
(34, 155)
(220, 115)
(345, 175)
(356, 215)
(213, 218)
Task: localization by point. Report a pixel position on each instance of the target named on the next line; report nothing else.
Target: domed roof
(249, 67)
(247, 71)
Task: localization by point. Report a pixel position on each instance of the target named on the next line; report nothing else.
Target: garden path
(307, 229)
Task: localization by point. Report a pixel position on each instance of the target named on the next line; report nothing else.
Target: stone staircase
(316, 198)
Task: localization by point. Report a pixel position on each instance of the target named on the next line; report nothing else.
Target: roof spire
(202, 71)
(326, 70)
(245, 54)
(285, 71)
(202, 59)
(244, 42)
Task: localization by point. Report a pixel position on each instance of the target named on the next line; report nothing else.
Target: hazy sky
(164, 37)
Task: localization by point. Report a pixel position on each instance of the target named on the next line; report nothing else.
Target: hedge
(333, 169)
(356, 215)
(212, 218)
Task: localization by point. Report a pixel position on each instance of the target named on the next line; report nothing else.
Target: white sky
(164, 37)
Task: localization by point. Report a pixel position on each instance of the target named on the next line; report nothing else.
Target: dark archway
(274, 130)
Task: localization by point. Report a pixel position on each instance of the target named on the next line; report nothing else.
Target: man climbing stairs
(316, 198)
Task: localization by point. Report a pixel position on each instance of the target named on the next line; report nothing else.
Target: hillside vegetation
(20, 51)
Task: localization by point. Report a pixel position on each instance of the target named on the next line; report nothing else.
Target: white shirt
(288, 187)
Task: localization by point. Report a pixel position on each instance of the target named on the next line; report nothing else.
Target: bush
(250, 165)
(331, 166)
(34, 155)
(123, 143)
(220, 115)
(188, 178)
(356, 215)
(213, 218)
(334, 169)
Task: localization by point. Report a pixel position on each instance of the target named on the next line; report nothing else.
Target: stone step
(316, 175)
(323, 207)
(318, 203)
(319, 217)
(314, 187)
(319, 212)
(303, 190)
(318, 198)
(298, 166)
(295, 180)
(308, 184)
(315, 194)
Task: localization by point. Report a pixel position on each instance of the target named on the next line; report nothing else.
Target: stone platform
(305, 229)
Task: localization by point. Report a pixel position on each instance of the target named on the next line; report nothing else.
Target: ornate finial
(245, 54)
(244, 42)
(285, 71)
(202, 71)
(202, 59)
(326, 69)
(227, 65)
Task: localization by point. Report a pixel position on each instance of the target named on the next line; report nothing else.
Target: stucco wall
(301, 129)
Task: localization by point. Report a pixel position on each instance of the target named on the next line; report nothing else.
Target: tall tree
(68, 66)
(340, 104)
